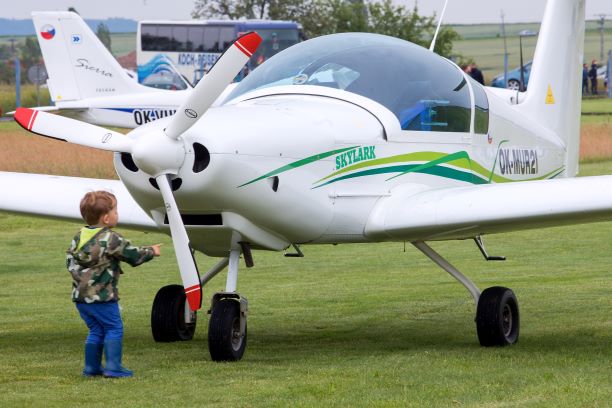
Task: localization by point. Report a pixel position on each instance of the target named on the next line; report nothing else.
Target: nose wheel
(227, 329)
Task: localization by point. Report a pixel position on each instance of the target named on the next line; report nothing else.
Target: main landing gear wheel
(168, 319)
(497, 317)
(226, 342)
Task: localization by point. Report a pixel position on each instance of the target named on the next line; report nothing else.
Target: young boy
(93, 260)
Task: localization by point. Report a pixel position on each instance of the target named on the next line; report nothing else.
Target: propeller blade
(71, 130)
(182, 247)
(213, 83)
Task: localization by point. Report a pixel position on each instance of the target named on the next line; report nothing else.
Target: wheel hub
(236, 335)
(507, 320)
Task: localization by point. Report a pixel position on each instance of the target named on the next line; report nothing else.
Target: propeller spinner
(159, 152)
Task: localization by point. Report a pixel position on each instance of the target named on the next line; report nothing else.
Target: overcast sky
(458, 11)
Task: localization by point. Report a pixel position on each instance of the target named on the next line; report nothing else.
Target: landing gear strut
(497, 313)
(227, 328)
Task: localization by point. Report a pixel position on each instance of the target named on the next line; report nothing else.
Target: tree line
(321, 17)
(317, 17)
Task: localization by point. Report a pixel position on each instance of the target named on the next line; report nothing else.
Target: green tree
(30, 52)
(104, 35)
(232, 9)
(7, 72)
(321, 17)
(5, 52)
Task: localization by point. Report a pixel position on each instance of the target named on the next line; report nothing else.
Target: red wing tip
(250, 42)
(194, 297)
(23, 116)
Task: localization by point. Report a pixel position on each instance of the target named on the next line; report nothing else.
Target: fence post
(17, 83)
(609, 73)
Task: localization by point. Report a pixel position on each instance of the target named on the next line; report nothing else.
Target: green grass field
(348, 325)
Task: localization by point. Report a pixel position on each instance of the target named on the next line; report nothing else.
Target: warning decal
(550, 99)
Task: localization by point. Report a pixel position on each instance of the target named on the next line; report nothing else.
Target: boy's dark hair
(95, 204)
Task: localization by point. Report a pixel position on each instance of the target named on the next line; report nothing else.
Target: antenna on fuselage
(433, 42)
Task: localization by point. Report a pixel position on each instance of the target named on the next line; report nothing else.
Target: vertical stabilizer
(78, 64)
(554, 92)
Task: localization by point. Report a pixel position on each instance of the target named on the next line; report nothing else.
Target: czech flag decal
(47, 31)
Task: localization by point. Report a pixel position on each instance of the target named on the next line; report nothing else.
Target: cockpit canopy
(423, 90)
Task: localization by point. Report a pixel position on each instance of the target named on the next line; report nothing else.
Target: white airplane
(87, 83)
(346, 138)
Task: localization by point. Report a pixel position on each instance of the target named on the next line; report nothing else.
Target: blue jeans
(103, 320)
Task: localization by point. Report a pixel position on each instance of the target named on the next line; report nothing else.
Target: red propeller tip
(194, 297)
(25, 117)
(248, 43)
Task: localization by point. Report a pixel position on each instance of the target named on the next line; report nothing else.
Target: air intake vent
(128, 162)
(175, 184)
(200, 219)
(202, 158)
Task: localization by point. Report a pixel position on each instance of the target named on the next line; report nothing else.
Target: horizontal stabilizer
(38, 108)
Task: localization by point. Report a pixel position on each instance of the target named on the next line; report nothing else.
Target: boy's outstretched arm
(156, 249)
(122, 249)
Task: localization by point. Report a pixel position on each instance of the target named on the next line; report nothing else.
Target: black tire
(224, 342)
(497, 317)
(168, 316)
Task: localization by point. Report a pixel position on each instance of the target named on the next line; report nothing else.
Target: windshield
(423, 90)
(273, 42)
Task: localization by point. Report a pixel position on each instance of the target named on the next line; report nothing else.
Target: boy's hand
(156, 249)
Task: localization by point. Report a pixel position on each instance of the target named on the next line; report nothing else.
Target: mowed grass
(22, 151)
(348, 325)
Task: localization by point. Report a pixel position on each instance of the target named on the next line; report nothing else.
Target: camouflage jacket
(93, 260)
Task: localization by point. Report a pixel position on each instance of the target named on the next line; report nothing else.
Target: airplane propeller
(71, 130)
(158, 152)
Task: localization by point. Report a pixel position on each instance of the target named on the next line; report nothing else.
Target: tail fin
(554, 94)
(78, 64)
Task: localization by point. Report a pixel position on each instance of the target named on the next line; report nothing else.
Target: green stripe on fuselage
(299, 163)
(435, 170)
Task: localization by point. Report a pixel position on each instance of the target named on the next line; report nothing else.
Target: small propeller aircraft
(87, 83)
(340, 139)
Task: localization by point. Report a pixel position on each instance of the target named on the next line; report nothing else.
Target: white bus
(192, 47)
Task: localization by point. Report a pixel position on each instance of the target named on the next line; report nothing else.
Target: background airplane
(322, 145)
(87, 83)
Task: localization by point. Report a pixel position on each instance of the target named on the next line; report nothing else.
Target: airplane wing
(464, 212)
(59, 197)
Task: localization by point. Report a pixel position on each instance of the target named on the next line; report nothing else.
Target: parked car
(514, 78)
(166, 80)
